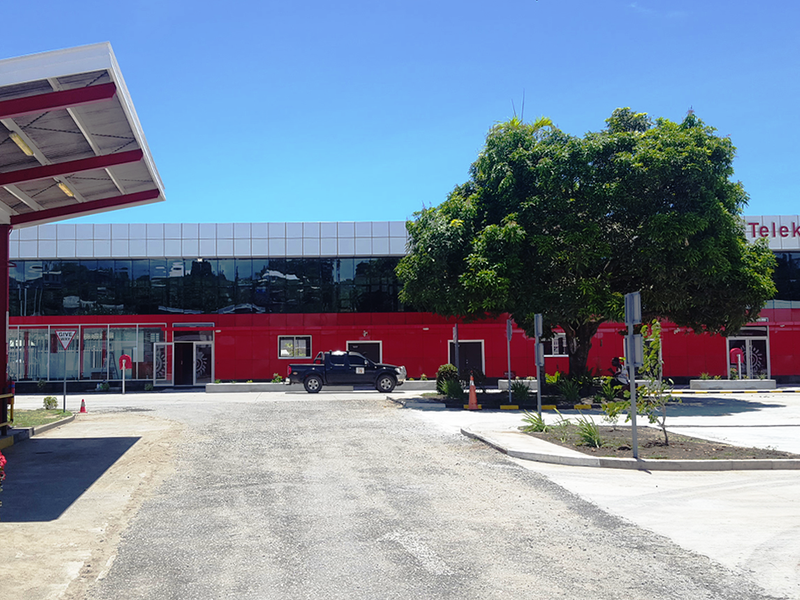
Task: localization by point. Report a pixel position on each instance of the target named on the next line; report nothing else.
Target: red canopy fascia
(28, 105)
(70, 167)
(103, 204)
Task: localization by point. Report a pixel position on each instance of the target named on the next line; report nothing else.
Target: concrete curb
(562, 456)
(715, 392)
(25, 433)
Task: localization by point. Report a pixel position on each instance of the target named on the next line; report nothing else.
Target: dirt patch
(617, 443)
(60, 556)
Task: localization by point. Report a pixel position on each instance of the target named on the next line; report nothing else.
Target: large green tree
(565, 226)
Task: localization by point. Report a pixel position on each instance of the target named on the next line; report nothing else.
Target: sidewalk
(747, 520)
(511, 441)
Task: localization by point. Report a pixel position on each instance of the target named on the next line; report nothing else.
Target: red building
(194, 303)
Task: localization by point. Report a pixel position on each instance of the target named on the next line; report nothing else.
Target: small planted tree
(653, 396)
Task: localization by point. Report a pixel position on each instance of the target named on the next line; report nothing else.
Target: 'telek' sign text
(783, 232)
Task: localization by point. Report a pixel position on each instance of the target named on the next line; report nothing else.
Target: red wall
(246, 346)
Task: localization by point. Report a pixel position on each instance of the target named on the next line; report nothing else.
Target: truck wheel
(385, 383)
(313, 384)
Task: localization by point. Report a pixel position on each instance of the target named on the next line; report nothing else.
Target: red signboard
(125, 362)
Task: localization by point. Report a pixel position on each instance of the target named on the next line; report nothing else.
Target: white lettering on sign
(65, 337)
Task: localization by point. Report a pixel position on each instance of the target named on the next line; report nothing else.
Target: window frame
(552, 342)
(309, 354)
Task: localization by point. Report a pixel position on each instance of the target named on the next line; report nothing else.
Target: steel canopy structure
(70, 145)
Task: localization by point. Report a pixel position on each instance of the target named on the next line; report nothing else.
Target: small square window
(294, 346)
(556, 346)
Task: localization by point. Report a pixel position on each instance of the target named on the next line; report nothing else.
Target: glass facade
(207, 286)
(787, 280)
(36, 353)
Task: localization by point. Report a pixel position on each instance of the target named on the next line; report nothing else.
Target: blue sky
(319, 111)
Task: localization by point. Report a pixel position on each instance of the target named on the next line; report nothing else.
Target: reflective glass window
(32, 357)
(296, 346)
(121, 340)
(95, 351)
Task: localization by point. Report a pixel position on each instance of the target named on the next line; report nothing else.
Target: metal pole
(538, 326)
(508, 349)
(65, 380)
(538, 387)
(632, 377)
(455, 342)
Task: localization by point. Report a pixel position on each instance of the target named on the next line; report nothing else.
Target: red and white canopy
(70, 141)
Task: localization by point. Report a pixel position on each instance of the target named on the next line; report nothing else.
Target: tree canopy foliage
(563, 225)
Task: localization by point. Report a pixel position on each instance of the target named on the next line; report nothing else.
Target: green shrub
(50, 402)
(423, 377)
(570, 389)
(608, 390)
(534, 423)
(586, 381)
(561, 427)
(519, 391)
(446, 372)
(148, 387)
(276, 378)
(553, 379)
(453, 389)
(708, 376)
(104, 387)
(588, 432)
(41, 383)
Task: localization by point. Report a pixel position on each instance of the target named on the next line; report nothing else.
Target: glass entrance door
(194, 363)
(163, 363)
(203, 363)
(748, 358)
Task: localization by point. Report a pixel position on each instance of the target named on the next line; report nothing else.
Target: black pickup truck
(345, 368)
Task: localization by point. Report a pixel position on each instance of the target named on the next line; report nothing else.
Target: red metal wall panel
(246, 346)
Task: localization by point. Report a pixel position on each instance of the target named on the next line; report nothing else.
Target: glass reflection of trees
(203, 286)
(787, 277)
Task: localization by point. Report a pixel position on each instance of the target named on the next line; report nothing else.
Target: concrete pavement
(746, 520)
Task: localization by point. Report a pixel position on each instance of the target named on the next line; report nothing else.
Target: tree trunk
(579, 343)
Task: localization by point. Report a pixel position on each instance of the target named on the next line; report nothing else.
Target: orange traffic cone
(83, 405)
(473, 397)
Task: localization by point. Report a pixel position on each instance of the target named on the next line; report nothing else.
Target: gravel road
(329, 497)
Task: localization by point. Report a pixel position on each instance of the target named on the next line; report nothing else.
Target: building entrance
(372, 350)
(470, 355)
(748, 354)
(194, 363)
(193, 355)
